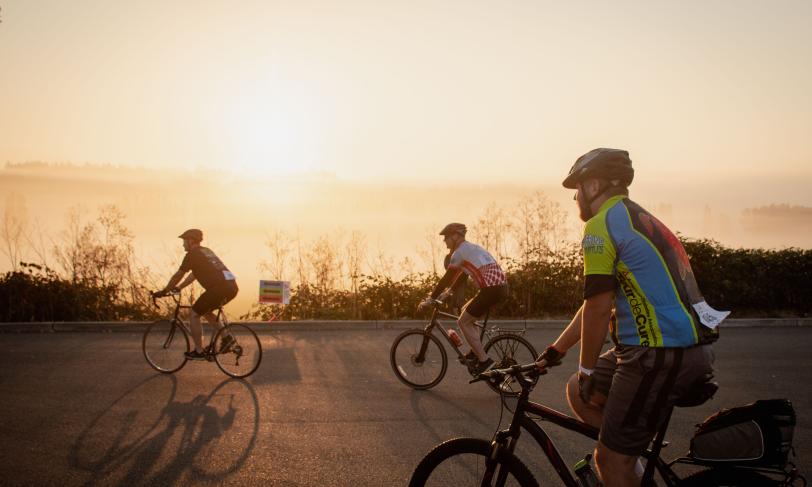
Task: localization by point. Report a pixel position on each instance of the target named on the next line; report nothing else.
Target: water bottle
(585, 474)
(455, 338)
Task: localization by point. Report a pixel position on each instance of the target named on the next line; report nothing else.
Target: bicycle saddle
(698, 393)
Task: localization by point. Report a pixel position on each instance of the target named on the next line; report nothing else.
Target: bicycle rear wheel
(241, 357)
(418, 359)
(509, 349)
(165, 344)
(464, 462)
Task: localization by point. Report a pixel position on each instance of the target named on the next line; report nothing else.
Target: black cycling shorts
(485, 299)
(215, 297)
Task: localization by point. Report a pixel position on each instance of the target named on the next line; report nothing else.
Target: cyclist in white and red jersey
(473, 260)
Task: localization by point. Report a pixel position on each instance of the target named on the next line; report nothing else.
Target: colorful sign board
(274, 292)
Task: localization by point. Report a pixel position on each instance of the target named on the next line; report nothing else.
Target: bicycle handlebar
(158, 294)
(530, 370)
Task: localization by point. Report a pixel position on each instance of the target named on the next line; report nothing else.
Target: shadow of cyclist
(185, 441)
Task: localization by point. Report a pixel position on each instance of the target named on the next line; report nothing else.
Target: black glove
(585, 386)
(551, 356)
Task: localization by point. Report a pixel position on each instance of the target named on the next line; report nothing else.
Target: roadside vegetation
(90, 271)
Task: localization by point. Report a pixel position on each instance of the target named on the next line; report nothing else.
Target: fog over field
(395, 224)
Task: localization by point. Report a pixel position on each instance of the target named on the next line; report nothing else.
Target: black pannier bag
(757, 434)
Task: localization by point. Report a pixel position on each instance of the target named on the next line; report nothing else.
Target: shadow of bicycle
(149, 437)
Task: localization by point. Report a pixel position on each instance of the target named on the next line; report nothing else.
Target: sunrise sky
(412, 91)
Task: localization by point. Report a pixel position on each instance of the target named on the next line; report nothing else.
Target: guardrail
(322, 325)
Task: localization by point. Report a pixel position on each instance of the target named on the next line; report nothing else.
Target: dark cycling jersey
(208, 269)
(629, 251)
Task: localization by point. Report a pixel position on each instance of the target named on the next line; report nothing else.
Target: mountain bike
(234, 347)
(473, 461)
(420, 361)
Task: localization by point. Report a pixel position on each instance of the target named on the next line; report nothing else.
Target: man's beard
(584, 212)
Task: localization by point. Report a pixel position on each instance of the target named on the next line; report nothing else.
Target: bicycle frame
(509, 437)
(177, 321)
(435, 323)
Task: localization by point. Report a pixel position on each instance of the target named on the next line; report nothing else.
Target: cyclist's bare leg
(615, 469)
(212, 319)
(469, 330)
(590, 413)
(197, 331)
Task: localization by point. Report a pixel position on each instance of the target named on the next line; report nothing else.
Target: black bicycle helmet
(602, 163)
(192, 233)
(454, 228)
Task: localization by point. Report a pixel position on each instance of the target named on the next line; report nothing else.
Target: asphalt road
(323, 409)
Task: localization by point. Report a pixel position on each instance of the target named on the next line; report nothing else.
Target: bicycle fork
(502, 445)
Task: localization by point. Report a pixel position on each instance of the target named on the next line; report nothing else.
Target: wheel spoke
(509, 349)
(418, 360)
(164, 345)
(240, 357)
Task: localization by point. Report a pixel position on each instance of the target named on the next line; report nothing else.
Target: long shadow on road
(147, 437)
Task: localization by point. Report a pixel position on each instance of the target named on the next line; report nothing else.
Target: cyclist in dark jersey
(639, 286)
(219, 283)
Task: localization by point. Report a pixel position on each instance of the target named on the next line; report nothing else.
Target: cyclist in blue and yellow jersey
(473, 260)
(219, 283)
(638, 286)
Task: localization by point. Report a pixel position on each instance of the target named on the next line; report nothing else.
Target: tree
(538, 226)
(492, 229)
(12, 231)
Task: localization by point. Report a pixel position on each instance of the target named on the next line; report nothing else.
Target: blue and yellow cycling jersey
(629, 251)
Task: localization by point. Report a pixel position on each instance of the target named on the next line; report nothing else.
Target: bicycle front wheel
(165, 344)
(241, 356)
(508, 350)
(464, 462)
(418, 359)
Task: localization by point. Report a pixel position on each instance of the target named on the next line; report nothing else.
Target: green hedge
(753, 282)
(37, 293)
(750, 282)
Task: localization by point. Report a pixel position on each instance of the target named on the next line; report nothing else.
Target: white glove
(427, 302)
(444, 295)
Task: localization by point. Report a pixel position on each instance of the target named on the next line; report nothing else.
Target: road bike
(234, 347)
(420, 361)
(473, 461)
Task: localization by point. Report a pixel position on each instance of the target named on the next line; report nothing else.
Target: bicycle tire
(402, 357)
(728, 477)
(440, 467)
(510, 350)
(165, 353)
(246, 348)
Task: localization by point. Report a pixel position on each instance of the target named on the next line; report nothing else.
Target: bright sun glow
(274, 130)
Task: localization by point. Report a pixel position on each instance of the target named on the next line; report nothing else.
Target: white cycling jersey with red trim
(477, 263)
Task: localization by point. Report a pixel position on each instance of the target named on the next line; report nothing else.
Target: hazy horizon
(395, 221)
